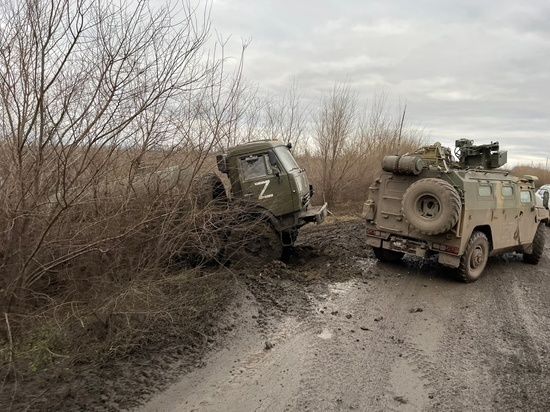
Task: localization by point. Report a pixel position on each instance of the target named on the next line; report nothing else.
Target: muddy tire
(538, 247)
(474, 259)
(207, 188)
(253, 244)
(387, 256)
(432, 206)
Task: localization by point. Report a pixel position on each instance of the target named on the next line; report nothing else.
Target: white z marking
(266, 184)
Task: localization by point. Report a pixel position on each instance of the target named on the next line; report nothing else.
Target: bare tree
(350, 141)
(286, 118)
(335, 136)
(383, 133)
(86, 89)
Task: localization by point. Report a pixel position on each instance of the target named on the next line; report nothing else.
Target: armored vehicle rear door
(265, 184)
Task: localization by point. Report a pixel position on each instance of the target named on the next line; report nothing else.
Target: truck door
(526, 216)
(265, 184)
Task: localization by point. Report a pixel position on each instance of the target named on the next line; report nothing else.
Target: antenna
(400, 129)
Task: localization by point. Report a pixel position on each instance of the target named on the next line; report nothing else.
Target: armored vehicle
(427, 203)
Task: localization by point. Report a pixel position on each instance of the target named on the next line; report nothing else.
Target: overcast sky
(473, 69)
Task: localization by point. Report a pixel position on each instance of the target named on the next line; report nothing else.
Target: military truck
(461, 209)
(252, 219)
(269, 200)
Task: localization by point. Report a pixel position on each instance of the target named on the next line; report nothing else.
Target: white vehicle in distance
(544, 193)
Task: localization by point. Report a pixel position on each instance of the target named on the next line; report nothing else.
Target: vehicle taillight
(452, 249)
(445, 248)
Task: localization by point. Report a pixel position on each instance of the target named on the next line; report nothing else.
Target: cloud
(466, 68)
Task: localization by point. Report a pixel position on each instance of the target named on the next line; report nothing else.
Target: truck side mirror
(272, 158)
(545, 197)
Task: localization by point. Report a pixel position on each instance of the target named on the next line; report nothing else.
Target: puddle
(341, 288)
(367, 265)
(288, 327)
(325, 334)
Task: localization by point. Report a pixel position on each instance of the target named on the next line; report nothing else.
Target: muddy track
(335, 330)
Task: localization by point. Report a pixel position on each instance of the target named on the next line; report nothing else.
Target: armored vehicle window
(507, 191)
(254, 167)
(485, 190)
(525, 196)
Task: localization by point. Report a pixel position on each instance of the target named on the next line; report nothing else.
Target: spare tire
(432, 206)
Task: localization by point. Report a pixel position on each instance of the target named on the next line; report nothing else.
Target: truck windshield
(285, 157)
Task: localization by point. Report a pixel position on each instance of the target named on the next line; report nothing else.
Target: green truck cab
(274, 194)
(426, 203)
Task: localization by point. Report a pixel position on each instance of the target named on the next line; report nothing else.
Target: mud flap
(449, 260)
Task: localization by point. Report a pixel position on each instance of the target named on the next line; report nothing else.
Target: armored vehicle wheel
(538, 247)
(431, 205)
(253, 244)
(387, 256)
(474, 259)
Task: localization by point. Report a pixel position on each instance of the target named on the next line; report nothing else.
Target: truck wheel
(253, 244)
(538, 247)
(387, 256)
(474, 259)
(431, 205)
(206, 188)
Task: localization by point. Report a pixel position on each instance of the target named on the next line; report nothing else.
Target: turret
(485, 156)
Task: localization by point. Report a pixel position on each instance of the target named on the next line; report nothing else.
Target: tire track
(395, 373)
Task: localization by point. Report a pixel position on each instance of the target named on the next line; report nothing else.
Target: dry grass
(347, 189)
(542, 173)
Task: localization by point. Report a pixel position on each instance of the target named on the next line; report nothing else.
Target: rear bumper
(414, 247)
(410, 247)
(315, 214)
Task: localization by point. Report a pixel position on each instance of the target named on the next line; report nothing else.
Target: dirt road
(335, 330)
